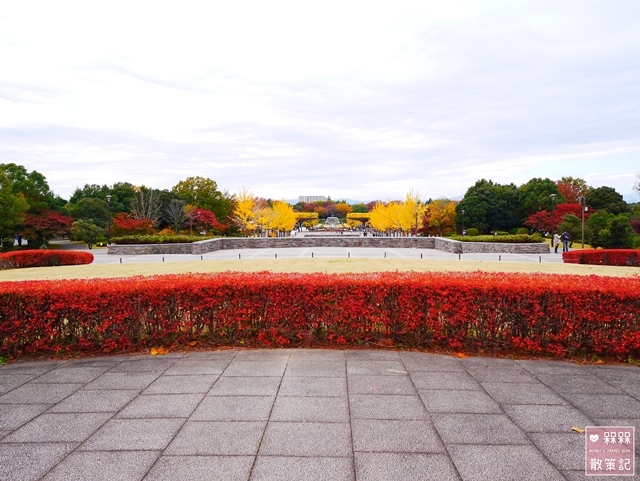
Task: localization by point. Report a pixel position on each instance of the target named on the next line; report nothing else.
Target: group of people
(564, 238)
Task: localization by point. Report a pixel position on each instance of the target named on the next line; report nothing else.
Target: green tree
(32, 185)
(13, 207)
(176, 214)
(86, 231)
(535, 196)
(617, 234)
(597, 222)
(91, 209)
(606, 198)
(489, 206)
(203, 192)
(573, 225)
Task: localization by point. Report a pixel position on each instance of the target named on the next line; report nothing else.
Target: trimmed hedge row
(516, 313)
(604, 257)
(509, 239)
(158, 239)
(43, 258)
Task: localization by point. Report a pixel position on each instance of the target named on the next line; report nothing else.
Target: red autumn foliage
(203, 220)
(521, 313)
(43, 258)
(125, 225)
(603, 257)
(542, 220)
(45, 224)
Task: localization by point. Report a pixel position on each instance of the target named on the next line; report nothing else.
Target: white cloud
(350, 99)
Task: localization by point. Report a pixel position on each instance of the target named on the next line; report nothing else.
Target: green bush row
(510, 239)
(159, 239)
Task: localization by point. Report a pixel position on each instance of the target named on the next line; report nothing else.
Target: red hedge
(605, 257)
(524, 313)
(43, 258)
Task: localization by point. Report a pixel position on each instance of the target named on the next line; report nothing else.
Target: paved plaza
(302, 414)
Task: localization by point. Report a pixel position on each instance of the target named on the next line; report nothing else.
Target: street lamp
(109, 219)
(583, 206)
(462, 221)
(553, 213)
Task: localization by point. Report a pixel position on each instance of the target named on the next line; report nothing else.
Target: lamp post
(462, 221)
(109, 219)
(583, 206)
(553, 213)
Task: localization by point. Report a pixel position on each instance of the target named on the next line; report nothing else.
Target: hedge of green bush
(509, 239)
(159, 239)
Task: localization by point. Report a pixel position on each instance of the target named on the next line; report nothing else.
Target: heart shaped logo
(594, 437)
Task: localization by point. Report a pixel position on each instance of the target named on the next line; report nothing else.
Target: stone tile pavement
(306, 415)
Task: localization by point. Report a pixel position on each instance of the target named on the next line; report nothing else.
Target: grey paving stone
(29, 462)
(522, 393)
(133, 434)
(478, 429)
(395, 436)
(372, 355)
(548, 418)
(135, 381)
(452, 401)
(233, 408)
(388, 406)
(144, 364)
(617, 373)
(321, 409)
(313, 386)
(212, 355)
(565, 450)
(99, 361)
(255, 368)
(502, 463)
(606, 405)
(488, 362)
(268, 355)
(375, 368)
(316, 369)
(72, 374)
(192, 384)
(366, 384)
(539, 367)
(307, 439)
(623, 422)
(12, 381)
(12, 416)
(103, 465)
(63, 427)
(281, 468)
(444, 380)
(161, 406)
(317, 355)
(574, 384)
(512, 373)
(419, 361)
(580, 476)
(198, 367)
(201, 468)
(631, 388)
(239, 386)
(205, 438)
(4, 433)
(30, 367)
(39, 393)
(93, 401)
(404, 466)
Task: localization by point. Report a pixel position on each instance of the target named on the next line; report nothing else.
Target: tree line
(30, 210)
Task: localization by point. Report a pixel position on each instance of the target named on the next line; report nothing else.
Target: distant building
(309, 199)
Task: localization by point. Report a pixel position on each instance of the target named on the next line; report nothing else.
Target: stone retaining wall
(212, 245)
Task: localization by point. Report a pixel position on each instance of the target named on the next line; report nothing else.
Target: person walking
(556, 242)
(565, 237)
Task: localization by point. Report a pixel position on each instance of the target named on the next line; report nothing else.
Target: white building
(308, 199)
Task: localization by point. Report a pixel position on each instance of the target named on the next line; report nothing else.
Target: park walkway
(303, 414)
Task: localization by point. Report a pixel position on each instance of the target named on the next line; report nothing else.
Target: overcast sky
(360, 100)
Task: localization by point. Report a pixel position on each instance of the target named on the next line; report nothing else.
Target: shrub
(605, 257)
(472, 231)
(159, 239)
(493, 312)
(43, 258)
(510, 239)
(522, 231)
